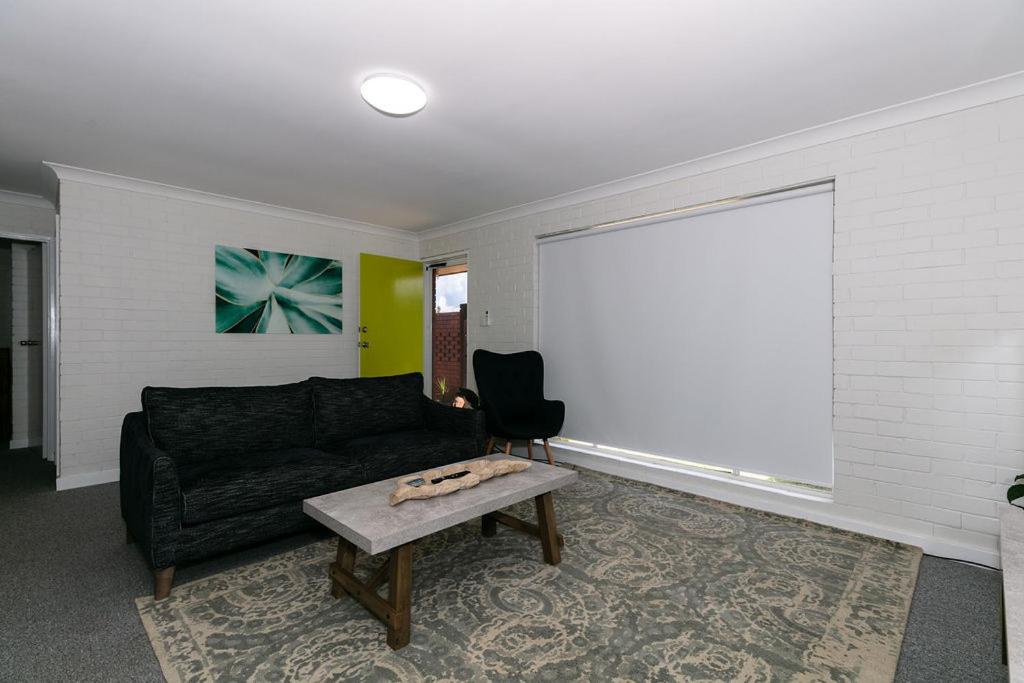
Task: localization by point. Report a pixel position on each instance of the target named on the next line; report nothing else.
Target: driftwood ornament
(479, 470)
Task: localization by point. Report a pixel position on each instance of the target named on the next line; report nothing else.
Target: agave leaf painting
(262, 292)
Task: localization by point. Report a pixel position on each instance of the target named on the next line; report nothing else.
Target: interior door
(26, 347)
(390, 316)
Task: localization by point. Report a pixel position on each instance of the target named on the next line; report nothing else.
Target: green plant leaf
(1014, 492)
(299, 298)
(274, 262)
(274, 320)
(310, 318)
(303, 268)
(230, 315)
(328, 282)
(241, 277)
(249, 323)
(310, 304)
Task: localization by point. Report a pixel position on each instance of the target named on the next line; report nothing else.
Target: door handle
(28, 342)
(363, 345)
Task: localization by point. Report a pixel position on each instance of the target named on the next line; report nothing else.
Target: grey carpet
(654, 585)
(68, 583)
(68, 580)
(954, 632)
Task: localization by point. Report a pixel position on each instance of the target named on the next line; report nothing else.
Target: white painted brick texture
(19, 219)
(137, 308)
(929, 309)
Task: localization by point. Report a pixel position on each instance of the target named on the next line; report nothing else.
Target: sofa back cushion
(351, 408)
(198, 424)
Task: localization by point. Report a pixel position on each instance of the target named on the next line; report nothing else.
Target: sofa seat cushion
(238, 484)
(353, 408)
(391, 455)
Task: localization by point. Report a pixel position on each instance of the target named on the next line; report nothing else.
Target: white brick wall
(929, 313)
(137, 307)
(23, 219)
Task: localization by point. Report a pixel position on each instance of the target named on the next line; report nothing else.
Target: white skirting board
(75, 481)
(769, 501)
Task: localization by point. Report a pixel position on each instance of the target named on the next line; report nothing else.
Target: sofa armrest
(150, 492)
(456, 421)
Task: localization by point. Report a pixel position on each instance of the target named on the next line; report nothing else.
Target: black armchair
(511, 387)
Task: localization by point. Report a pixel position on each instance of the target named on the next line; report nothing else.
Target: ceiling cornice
(33, 200)
(66, 173)
(966, 97)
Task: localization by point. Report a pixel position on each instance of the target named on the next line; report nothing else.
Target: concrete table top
(363, 516)
(1011, 553)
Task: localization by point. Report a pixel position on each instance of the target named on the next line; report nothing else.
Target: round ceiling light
(393, 95)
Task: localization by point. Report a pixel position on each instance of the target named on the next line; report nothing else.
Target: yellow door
(390, 316)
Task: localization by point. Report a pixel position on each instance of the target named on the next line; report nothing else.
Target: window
(706, 338)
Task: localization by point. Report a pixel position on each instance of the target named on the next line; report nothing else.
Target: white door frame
(428, 334)
(51, 337)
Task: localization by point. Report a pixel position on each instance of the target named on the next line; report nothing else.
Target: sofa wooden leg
(529, 448)
(490, 446)
(162, 579)
(508, 447)
(547, 449)
(128, 538)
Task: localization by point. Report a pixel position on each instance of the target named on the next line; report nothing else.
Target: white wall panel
(928, 410)
(137, 307)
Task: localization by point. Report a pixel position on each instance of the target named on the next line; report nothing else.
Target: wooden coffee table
(363, 519)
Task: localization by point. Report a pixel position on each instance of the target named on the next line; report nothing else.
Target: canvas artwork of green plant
(267, 292)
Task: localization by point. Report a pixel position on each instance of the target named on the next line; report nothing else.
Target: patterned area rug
(654, 585)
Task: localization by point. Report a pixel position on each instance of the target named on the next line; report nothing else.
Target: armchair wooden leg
(490, 446)
(547, 449)
(162, 579)
(529, 448)
(508, 447)
(128, 538)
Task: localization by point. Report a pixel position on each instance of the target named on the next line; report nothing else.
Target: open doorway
(448, 331)
(22, 359)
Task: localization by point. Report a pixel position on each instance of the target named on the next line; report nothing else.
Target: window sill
(667, 465)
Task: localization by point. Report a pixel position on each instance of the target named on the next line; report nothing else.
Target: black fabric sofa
(207, 470)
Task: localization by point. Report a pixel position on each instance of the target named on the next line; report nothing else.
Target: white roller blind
(706, 338)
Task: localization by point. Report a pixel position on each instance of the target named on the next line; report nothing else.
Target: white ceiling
(528, 98)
